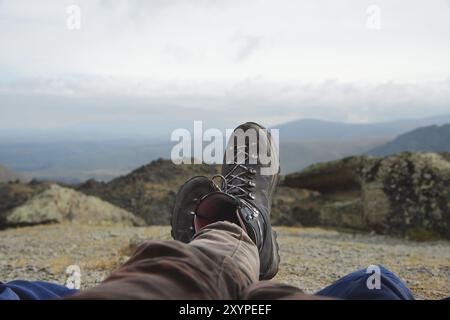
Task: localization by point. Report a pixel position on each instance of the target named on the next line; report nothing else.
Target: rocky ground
(311, 257)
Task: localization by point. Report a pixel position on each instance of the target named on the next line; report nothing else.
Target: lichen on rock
(406, 194)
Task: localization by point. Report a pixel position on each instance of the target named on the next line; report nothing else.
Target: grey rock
(58, 204)
(406, 195)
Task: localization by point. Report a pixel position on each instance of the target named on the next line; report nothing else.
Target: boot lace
(238, 182)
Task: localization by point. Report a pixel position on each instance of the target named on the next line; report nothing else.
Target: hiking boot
(186, 201)
(245, 190)
(241, 194)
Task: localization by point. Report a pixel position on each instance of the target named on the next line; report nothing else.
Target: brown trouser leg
(219, 263)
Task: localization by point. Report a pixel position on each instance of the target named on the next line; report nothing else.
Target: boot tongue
(217, 206)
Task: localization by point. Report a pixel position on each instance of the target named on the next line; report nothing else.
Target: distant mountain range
(312, 129)
(296, 155)
(432, 138)
(78, 158)
(308, 141)
(77, 161)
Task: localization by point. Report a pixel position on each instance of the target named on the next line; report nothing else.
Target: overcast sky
(224, 60)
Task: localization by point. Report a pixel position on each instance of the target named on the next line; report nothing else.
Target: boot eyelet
(251, 196)
(251, 183)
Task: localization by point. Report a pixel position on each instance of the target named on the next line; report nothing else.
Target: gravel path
(311, 257)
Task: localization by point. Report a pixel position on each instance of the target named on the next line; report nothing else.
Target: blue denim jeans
(33, 290)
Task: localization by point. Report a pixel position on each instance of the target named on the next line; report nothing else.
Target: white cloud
(77, 99)
(247, 45)
(264, 60)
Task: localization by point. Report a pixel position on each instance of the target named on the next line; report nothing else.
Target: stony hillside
(58, 204)
(149, 191)
(406, 195)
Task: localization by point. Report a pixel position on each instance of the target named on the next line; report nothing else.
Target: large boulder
(14, 194)
(58, 204)
(343, 214)
(407, 194)
(329, 177)
(290, 207)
